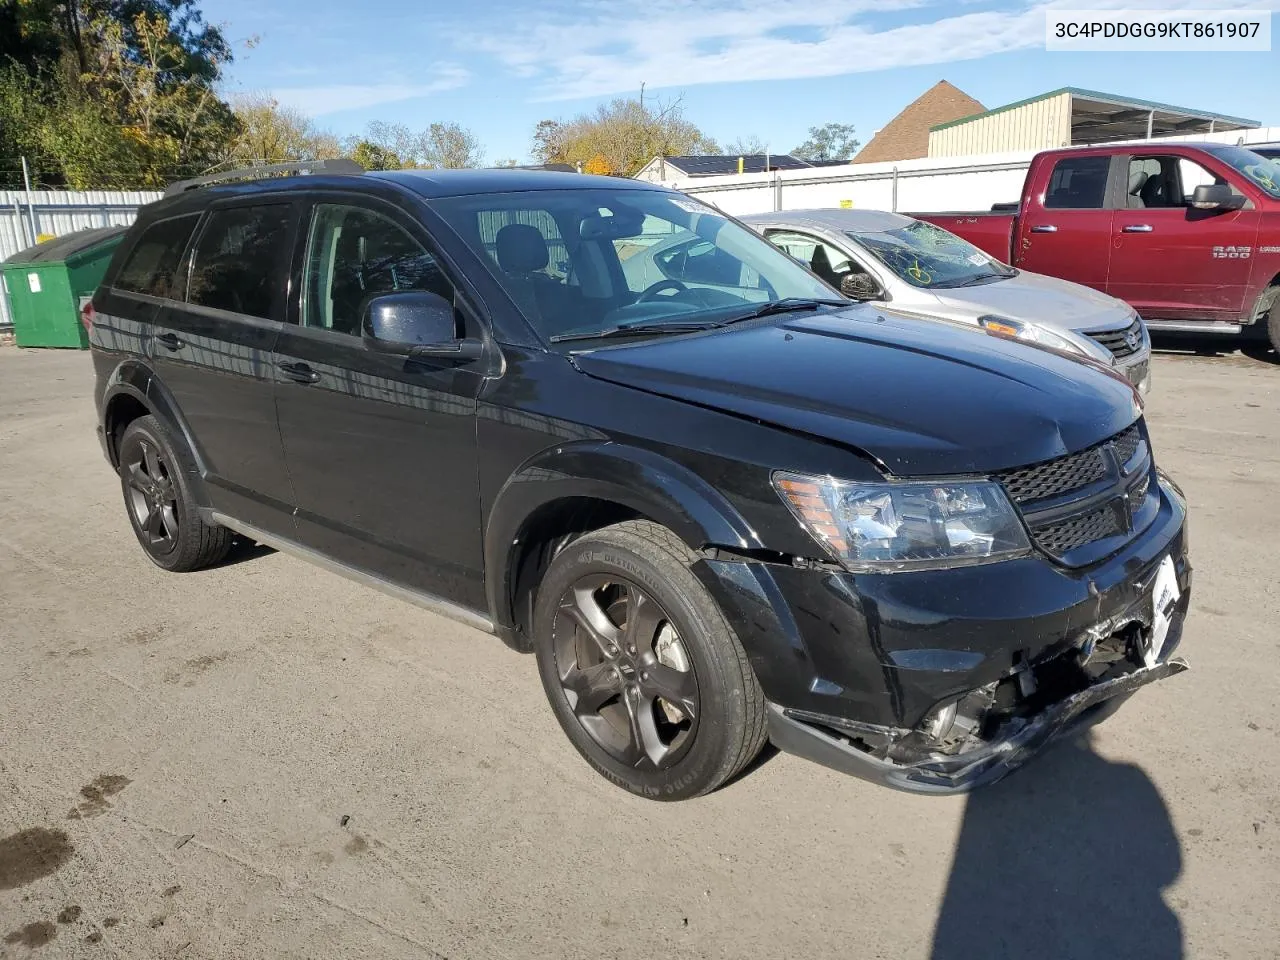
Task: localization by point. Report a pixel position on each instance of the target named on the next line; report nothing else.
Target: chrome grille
(1122, 343)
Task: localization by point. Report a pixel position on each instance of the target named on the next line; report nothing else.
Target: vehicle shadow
(1209, 346)
(243, 549)
(1066, 859)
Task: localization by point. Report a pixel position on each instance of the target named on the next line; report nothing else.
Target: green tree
(831, 141)
(371, 156)
(112, 92)
(621, 136)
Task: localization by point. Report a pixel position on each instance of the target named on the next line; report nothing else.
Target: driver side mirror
(418, 323)
(1216, 196)
(860, 287)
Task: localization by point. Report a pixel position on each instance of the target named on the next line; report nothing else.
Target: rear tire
(154, 477)
(643, 672)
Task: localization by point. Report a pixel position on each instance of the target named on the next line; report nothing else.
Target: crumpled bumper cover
(977, 767)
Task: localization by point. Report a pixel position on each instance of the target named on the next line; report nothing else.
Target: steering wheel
(652, 291)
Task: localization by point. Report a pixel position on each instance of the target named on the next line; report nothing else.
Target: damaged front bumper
(796, 732)
(943, 681)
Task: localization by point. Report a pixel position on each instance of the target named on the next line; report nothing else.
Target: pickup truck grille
(1085, 498)
(1122, 343)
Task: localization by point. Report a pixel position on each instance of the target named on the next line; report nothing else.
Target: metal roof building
(1072, 117)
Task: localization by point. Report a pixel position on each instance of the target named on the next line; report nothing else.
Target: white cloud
(322, 99)
(601, 47)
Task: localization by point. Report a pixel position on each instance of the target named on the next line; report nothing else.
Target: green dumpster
(45, 283)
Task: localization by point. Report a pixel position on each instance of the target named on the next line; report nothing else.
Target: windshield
(1261, 171)
(927, 256)
(585, 261)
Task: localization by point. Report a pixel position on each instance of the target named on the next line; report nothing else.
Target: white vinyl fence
(930, 184)
(26, 216)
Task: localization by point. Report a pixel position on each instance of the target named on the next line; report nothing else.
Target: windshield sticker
(977, 259)
(687, 205)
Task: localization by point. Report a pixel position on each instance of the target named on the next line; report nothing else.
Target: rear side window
(236, 257)
(1078, 183)
(153, 260)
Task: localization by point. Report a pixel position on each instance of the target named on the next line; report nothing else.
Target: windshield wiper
(973, 281)
(787, 305)
(628, 329)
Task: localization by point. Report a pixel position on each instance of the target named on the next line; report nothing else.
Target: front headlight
(1032, 333)
(891, 527)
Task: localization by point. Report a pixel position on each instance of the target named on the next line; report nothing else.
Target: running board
(427, 601)
(1193, 326)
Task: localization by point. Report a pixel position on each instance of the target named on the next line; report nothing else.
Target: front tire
(158, 500)
(643, 672)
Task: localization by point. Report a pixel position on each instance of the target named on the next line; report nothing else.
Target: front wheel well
(121, 411)
(543, 535)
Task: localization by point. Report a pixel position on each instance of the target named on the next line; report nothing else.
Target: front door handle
(170, 341)
(1044, 228)
(1137, 228)
(297, 371)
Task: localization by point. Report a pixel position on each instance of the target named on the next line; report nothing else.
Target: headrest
(521, 249)
(1137, 180)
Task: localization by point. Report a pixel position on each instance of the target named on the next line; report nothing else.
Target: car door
(1171, 261)
(211, 350)
(1066, 232)
(381, 447)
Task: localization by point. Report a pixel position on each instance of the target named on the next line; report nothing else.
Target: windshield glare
(1261, 171)
(579, 261)
(927, 256)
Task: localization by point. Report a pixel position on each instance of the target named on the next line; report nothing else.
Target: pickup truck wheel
(1269, 314)
(642, 670)
(158, 499)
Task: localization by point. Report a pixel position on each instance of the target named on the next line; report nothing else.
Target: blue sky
(769, 68)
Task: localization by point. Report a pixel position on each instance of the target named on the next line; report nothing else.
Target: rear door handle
(298, 371)
(1044, 228)
(1137, 228)
(169, 341)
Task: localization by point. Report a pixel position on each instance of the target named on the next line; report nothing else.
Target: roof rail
(301, 167)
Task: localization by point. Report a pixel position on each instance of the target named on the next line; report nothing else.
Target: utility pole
(31, 210)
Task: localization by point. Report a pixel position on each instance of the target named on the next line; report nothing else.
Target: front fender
(633, 477)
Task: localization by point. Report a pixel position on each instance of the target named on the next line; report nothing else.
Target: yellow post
(739, 164)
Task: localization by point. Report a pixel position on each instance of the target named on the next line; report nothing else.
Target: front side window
(583, 261)
(354, 255)
(927, 256)
(153, 261)
(1078, 183)
(1165, 181)
(236, 260)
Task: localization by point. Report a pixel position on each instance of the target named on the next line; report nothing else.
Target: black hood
(922, 398)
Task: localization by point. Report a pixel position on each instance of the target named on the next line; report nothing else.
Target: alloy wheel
(625, 672)
(152, 494)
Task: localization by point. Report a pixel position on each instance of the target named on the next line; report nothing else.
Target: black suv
(618, 429)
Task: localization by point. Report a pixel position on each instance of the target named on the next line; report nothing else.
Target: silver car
(922, 269)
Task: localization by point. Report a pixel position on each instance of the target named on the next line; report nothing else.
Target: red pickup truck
(1188, 234)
